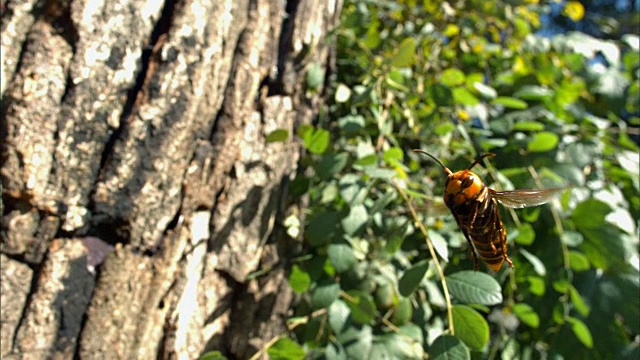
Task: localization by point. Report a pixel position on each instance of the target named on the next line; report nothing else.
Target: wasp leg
(472, 220)
(506, 258)
(472, 250)
(476, 267)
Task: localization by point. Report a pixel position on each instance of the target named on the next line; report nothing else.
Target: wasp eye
(468, 181)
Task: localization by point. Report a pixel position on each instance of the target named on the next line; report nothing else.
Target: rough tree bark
(138, 191)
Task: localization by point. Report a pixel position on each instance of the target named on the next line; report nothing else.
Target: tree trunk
(141, 202)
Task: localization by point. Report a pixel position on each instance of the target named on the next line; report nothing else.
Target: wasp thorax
(461, 187)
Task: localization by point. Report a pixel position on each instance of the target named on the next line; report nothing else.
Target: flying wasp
(473, 205)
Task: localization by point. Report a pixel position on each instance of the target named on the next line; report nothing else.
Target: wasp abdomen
(490, 237)
(479, 219)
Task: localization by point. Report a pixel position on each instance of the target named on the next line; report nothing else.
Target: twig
(432, 251)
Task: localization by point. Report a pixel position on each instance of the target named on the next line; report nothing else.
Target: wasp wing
(433, 207)
(525, 197)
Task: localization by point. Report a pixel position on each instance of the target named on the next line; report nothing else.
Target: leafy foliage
(460, 82)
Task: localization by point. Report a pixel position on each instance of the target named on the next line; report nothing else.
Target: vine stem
(432, 251)
(266, 346)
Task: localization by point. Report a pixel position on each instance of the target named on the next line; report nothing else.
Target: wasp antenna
(480, 159)
(434, 158)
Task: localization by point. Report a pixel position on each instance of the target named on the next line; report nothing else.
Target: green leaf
(486, 91)
(440, 244)
(363, 308)
(351, 124)
(356, 219)
(412, 278)
(561, 286)
(324, 295)
(278, 135)
(341, 256)
(538, 265)
(628, 160)
(464, 97)
(581, 331)
(372, 38)
(570, 90)
(582, 153)
(528, 126)
(343, 93)
(502, 125)
(522, 26)
(510, 350)
(447, 347)
(315, 267)
(578, 261)
(452, 77)
(286, 349)
(564, 173)
(488, 144)
(444, 128)
(385, 294)
(474, 287)
(536, 285)
(543, 141)
(315, 76)
(393, 156)
(534, 92)
(393, 244)
(396, 80)
(590, 214)
(470, 327)
(356, 341)
(441, 95)
(527, 315)
(531, 214)
(321, 228)
(331, 164)
(380, 204)
(403, 312)
(305, 131)
(510, 102)
(352, 189)
(557, 314)
(327, 267)
(396, 346)
(368, 160)
(571, 238)
(413, 332)
(406, 54)
(526, 234)
(452, 30)
(213, 355)
(578, 302)
(328, 194)
(338, 313)
(603, 243)
(318, 142)
(380, 173)
(299, 280)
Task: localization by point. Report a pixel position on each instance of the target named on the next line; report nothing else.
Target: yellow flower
(463, 115)
(574, 10)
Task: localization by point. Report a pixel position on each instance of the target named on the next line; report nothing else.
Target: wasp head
(461, 186)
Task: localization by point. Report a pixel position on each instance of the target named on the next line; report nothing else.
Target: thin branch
(266, 346)
(432, 251)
